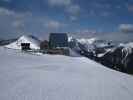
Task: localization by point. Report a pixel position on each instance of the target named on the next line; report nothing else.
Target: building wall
(58, 40)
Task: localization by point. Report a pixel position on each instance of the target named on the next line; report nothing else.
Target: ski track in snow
(55, 77)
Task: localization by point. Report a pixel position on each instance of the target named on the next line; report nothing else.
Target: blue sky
(111, 18)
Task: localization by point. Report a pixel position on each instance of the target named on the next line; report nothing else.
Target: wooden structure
(44, 45)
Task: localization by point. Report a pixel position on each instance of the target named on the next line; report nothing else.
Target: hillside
(6, 42)
(46, 77)
(34, 42)
(119, 58)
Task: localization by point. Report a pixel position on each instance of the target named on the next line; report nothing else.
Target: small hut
(25, 46)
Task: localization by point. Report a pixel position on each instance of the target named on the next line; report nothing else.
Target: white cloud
(130, 7)
(7, 0)
(100, 5)
(118, 6)
(7, 12)
(92, 12)
(106, 14)
(87, 31)
(14, 23)
(73, 18)
(126, 28)
(59, 2)
(52, 24)
(4, 11)
(10, 20)
(18, 24)
(73, 9)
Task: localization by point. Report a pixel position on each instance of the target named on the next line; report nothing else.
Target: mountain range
(118, 56)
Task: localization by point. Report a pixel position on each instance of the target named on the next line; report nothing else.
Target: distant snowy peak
(90, 44)
(34, 42)
(96, 42)
(128, 47)
(130, 44)
(88, 41)
(70, 39)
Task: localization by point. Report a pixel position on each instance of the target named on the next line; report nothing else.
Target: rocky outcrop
(120, 58)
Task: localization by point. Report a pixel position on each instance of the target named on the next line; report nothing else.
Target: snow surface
(34, 44)
(55, 77)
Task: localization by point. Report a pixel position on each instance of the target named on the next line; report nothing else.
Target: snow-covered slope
(47, 77)
(34, 43)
